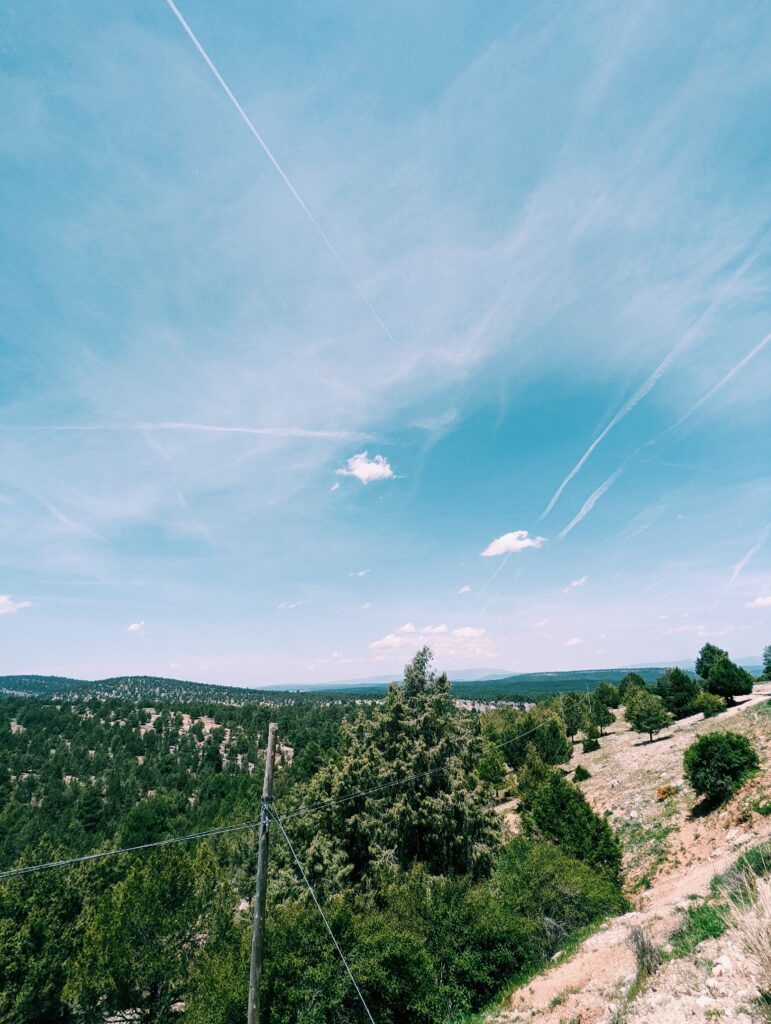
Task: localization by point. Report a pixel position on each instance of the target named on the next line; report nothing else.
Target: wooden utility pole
(258, 924)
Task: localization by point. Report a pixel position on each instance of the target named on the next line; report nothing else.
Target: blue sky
(253, 435)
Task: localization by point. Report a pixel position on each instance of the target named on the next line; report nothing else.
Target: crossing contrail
(277, 166)
(690, 335)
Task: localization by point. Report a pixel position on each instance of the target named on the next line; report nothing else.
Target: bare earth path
(669, 856)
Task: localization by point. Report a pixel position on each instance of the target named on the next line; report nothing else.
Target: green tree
(513, 731)
(678, 690)
(646, 713)
(728, 680)
(631, 681)
(707, 657)
(554, 809)
(574, 713)
(599, 713)
(766, 663)
(442, 817)
(718, 763)
(608, 694)
(140, 939)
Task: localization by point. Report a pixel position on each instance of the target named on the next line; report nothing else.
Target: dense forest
(390, 806)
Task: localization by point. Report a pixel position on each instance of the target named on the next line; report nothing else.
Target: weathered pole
(258, 922)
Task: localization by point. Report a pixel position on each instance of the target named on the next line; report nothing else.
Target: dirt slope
(669, 855)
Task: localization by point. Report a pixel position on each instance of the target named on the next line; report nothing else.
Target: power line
(277, 166)
(242, 826)
(321, 912)
(102, 854)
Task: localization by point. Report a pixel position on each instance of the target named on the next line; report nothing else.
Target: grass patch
(704, 920)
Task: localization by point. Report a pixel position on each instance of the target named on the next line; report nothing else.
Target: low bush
(709, 704)
(581, 774)
(717, 764)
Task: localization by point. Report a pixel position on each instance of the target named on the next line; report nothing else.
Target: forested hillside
(437, 905)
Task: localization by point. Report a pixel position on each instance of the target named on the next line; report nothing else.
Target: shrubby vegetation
(718, 763)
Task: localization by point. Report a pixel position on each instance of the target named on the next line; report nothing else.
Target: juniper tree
(729, 680)
(646, 713)
(439, 812)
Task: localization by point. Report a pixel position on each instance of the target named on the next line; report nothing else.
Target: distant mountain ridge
(148, 689)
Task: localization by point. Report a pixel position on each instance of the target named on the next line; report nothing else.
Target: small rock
(723, 965)
(703, 1002)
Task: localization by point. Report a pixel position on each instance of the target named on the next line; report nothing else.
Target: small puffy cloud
(361, 572)
(408, 628)
(434, 630)
(335, 486)
(574, 641)
(580, 582)
(542, 623)
(469, 632)
(137, 627)
(760, 602)
(366, 469)
(8, 607)
(466, 589)
(287, 606)
(512, 542)
(390, 642)
(367, 604)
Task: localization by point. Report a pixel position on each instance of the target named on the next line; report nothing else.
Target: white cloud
(469, 632)
(760, 602)
(582, 581)
(361, 572)
(367, 604)
(466, 589)
(512, 542)
(390, 642)
(434, 630)
(408, 628)
(672, 630)
(287, 606)
(366, 469)
(542, 623)
(137, 627)
(8, 607)
(335, 486)
(574, 641)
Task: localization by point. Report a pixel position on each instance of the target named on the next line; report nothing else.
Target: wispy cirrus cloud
(580, 582)
(591, 501)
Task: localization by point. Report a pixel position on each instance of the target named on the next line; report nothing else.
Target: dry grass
(750, 914)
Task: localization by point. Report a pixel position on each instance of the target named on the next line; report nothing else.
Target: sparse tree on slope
(646, 713)
(631, 681)
(678, 691)
(599, 713)
(728, 680)
(707, 657)
(574, 713)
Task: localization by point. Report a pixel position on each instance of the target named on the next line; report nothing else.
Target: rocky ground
(670, 854)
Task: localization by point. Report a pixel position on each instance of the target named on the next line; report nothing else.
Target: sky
(329, 331)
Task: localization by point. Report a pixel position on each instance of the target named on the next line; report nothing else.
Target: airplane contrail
(745, 561)
(652, 380)
(279, 169)
(206, 428)
(592, 500)
(713, 390)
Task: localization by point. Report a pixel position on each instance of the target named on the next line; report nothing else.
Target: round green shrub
(717, 764)
(709, 704)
